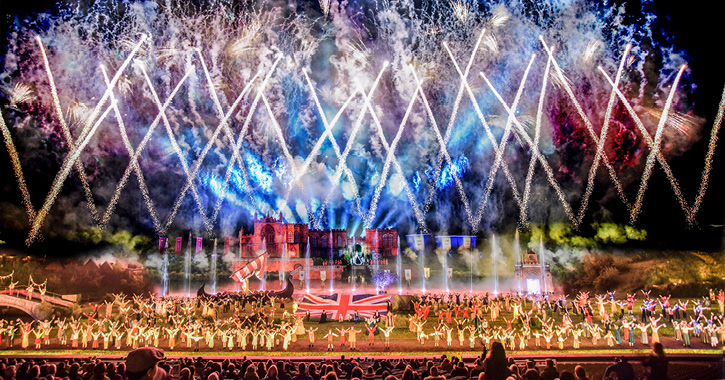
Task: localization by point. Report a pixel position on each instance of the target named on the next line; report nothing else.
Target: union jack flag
(343, 304)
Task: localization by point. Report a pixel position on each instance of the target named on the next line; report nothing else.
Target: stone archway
(267, 237)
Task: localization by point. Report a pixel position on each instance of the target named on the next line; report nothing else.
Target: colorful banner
(199, 242)
(446, 243)
(466, 242)
(323, 275)
(408, 274)
(450, 272)
(426, 273)
(418, 242)
(178, 245)
(162, 244)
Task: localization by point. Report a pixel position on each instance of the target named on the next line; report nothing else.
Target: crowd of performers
(454, 320)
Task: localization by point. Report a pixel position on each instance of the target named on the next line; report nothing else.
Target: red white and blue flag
(254, 267)
(344, 304)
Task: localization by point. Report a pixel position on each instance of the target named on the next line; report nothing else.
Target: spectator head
(301, 369)
(391, 377)
(99, 372)
(312, 369)
(331, 376)
(481, 375)
(272, 371)
(142, 363)
(658, 349)
(530, 364)
(549, 363)
(357, 372)
(213, 376)
(34, 372)
(434, 371)
(580, 372)
(566, 375)
(251, 371)
(9, 373)
(185, 374)
(531, 374)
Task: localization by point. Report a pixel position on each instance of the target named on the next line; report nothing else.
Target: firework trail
(349, 144)
(85, 137)
(390, 157)
(136, 167)
(602, 140)
(707, 166)
(524, 219)
(133, 162)
(587, 123)
(240, 138)
(648, 139)
(537, 153)
(451, 121)
(18, 170)
(502, 145)
(654, 150)
(486, 127)
(67, 135)
(182, 160)
(444, 150)
(225, 126)
(327, 134)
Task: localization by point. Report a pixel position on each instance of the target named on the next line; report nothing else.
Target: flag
(227, 245)
(343, 305)
(419, 242)
(162, 244)
(408, 274)
(178, 245)
(254, 267)
(466, 242)
(199, 242)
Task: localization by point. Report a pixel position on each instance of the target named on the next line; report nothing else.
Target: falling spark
(21, 94)
(491, 43)
(461, 9)
(683, 123)
(592, 48)
(325, 6)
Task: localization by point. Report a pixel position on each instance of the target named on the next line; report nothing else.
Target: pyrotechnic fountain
(444, 264)
(517, 254)
(263, 283)
(165, 275)
(308, 267)
(331, 266)
(187, 269)
(542, 260)
(399, 268)
(494, 258)
(213, 269)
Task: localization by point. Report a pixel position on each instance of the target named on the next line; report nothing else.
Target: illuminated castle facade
(275, 236)
(532, 277)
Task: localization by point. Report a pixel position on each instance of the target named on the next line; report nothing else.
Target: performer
(330, 336)
(352, 337)
(386, 334)
(311, 337)
(371, 334)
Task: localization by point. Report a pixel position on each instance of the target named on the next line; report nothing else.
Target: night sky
(692, 34)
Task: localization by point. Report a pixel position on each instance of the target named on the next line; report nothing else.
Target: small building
(532, 277)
